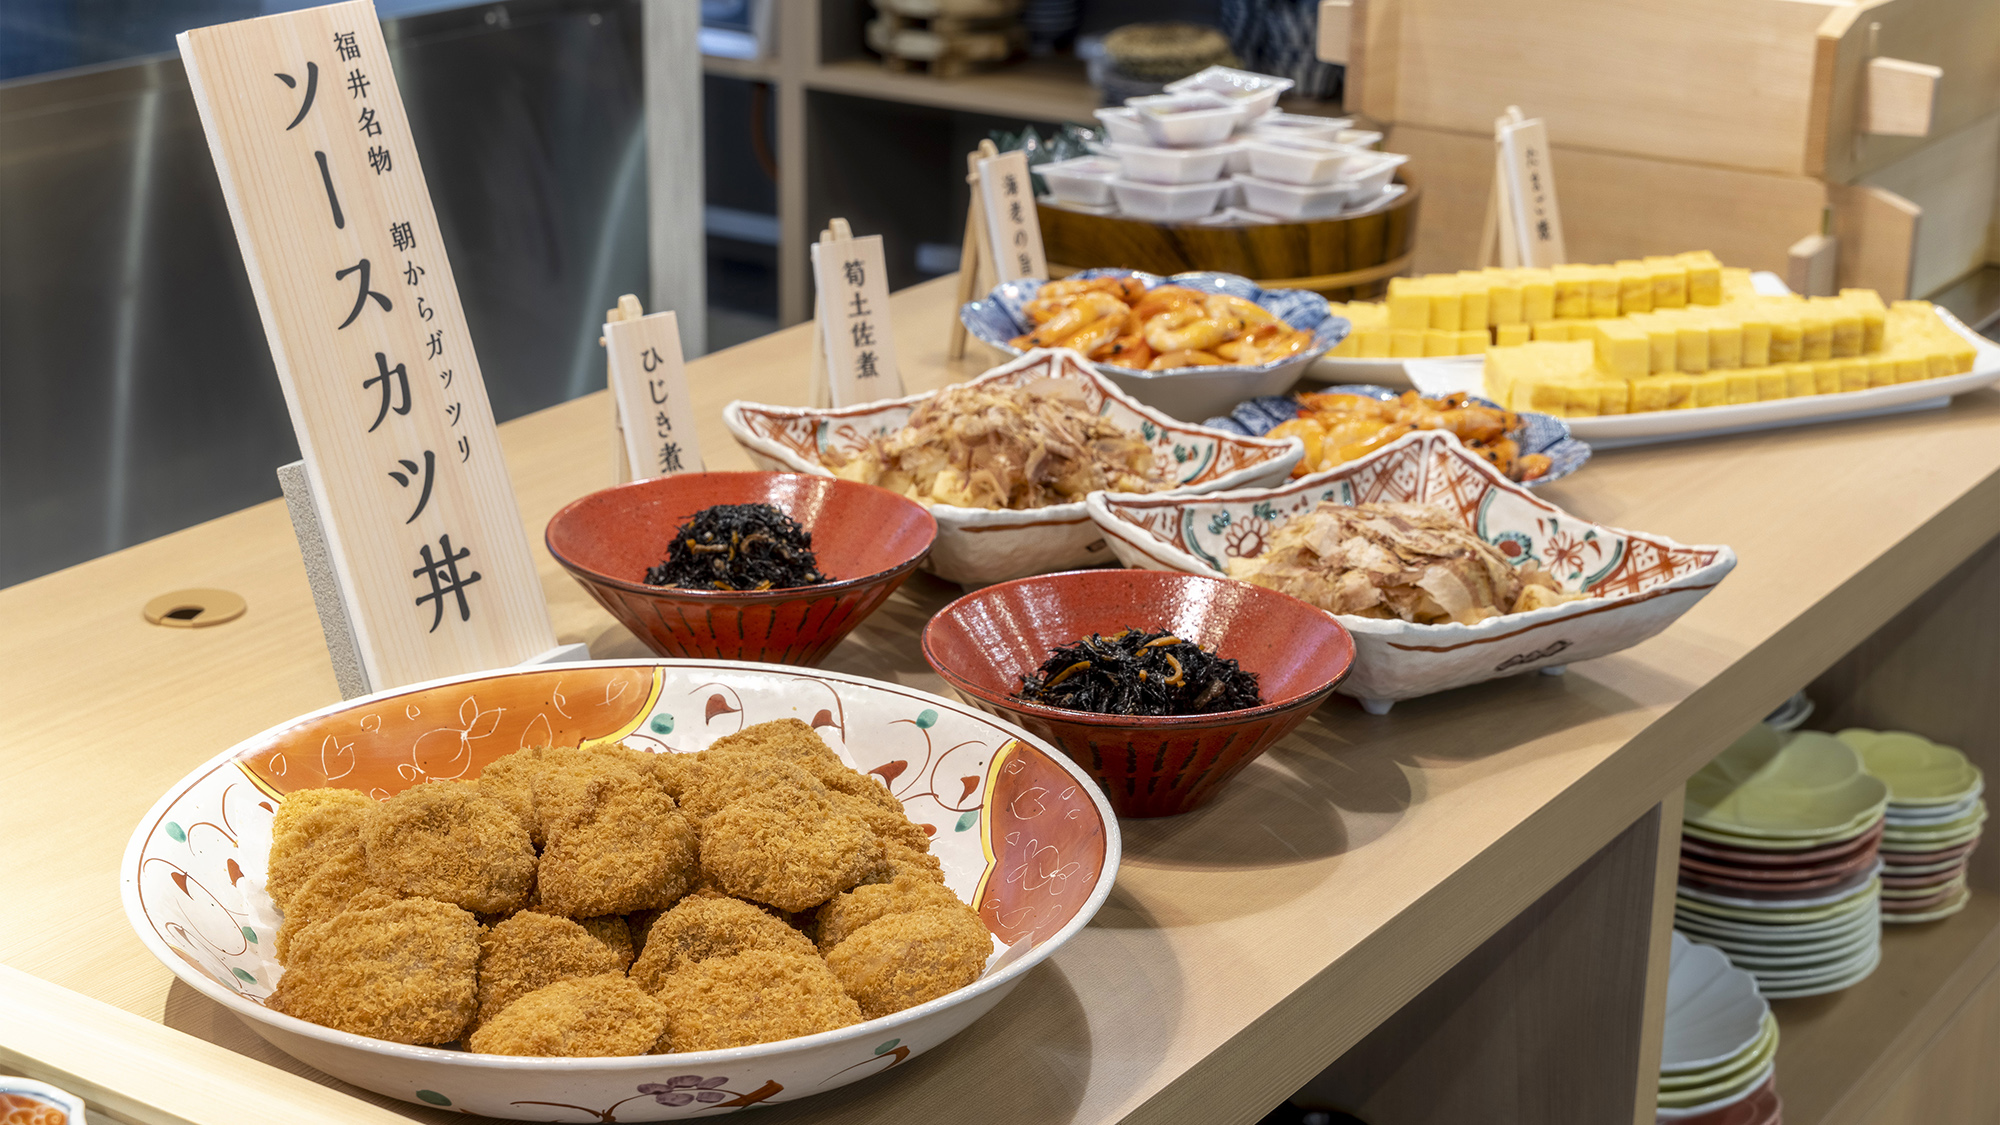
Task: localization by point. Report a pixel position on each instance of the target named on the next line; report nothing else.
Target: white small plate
(1831, 968)
(1713, 1010)
(1760, 961)
(1707, 929)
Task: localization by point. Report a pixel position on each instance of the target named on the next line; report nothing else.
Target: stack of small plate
(1934, 818)
(1717, 1063)
(1780, 865)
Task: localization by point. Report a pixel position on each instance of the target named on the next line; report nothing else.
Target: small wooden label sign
(330, 207)
(1012, 228)
(1530, 192)
(853, 290)
(650, 384)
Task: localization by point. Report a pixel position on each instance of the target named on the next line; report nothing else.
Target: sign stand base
(335, 620)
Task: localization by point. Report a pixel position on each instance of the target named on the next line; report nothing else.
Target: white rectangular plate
(1464, 373)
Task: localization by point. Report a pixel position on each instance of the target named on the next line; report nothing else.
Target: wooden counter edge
(1287, 1045)
(149, 1074)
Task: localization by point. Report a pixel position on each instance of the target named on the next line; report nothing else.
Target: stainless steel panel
(137, 394)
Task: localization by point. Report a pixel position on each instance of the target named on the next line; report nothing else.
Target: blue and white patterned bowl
(1539, 433)
(1186, 393)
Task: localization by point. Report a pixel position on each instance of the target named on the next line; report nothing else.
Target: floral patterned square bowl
(1021, 832)
(1638, 584)
(1184, 392)
(981, 546)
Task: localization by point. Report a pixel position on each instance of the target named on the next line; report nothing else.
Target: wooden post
(628, 308)
(972, 264)
(409, 495)
(822, 385)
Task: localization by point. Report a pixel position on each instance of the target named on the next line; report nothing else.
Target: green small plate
(1738, 1077)
(1728, 1071)
(1804, 786)
(1917, 770)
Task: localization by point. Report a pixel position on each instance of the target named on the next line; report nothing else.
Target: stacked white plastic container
(1214, 149)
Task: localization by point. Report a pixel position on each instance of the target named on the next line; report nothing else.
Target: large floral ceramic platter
(1022, 834)
(1638, 584)
(980, 546)
(1184, 392)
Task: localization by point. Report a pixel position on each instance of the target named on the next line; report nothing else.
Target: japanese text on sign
(1530, 192)
(1013, 231)
(853, 290)
(330, 207)
(650, 385)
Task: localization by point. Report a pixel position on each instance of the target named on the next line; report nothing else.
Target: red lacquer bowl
(983, 643)
(868, 539)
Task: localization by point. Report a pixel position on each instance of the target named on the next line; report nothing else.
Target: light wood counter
(1247, 946)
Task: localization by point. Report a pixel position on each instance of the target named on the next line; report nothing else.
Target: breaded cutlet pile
(601, 900)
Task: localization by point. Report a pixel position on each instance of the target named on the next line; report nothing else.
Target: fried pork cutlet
(901, 960)
(726, 777)
(510, 779)
(845, 913)
(612, 931)
(787, 848)
(311, 828)
(589, 1017)
(402, 970)
(899, 859)
(341, 876)
(618, 846)
(790, 740)
(569, 784)
(449, 841)
(786, 739)
(887, 824)
(530, 951)
(700, 927)
(759, 996)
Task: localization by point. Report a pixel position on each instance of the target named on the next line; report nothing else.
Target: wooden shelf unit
(819, 54)
(1891, 1050)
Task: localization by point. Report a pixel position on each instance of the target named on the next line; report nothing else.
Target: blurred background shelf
(1052, 89)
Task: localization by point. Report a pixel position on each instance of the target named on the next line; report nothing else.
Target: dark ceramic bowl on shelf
(983, 643)
(867, 539)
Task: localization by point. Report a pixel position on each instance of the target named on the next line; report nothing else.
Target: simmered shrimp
(1187, 328)
(1120, 322)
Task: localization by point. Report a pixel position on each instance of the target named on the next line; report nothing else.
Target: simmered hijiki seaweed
(739, 547)
(1137, 672)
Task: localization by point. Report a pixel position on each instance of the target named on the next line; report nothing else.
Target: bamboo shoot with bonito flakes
(1016, 447)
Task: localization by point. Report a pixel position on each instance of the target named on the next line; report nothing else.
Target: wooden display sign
(856, 351)
(1003, 231)
(650, 392)
(409, 491)
(1007, 196)
(1522, 221)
